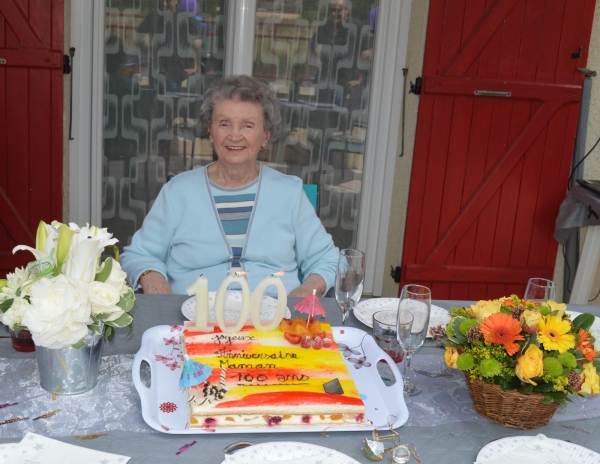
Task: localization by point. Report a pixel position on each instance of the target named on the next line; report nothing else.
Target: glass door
(160, 56)
(316, 56)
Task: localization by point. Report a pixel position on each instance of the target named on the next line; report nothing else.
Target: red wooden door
(490, 172)
(31, 122)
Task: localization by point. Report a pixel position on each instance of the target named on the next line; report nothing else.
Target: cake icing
(260, 379)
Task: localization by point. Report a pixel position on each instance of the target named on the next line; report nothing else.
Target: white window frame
(85, 160)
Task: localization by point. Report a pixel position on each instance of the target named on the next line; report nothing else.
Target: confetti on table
(47, 415)
(91, 437)
(12, 421)
(186, 447)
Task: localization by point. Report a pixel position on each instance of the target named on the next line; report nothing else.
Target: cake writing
(226, 356)
(222, 339)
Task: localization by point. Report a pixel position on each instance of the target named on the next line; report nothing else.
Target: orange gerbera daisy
(502, 329)
(585, 345)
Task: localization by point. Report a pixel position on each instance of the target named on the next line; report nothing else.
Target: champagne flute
(349, 280)
(541, 290)
(412, 326)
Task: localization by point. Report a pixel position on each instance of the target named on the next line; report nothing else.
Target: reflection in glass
(316, 55)
(160, 55)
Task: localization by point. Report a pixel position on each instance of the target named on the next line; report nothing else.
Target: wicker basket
(510, 408)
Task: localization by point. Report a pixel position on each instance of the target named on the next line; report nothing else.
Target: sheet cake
(259, 379)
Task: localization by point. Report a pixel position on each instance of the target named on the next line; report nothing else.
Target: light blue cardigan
(182, 236)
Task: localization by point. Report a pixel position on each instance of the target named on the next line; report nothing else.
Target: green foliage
(583, 321)
(79, 344)
(123, 321)
(556, 397)
(103, 275)
(460, 312)
(5, 306)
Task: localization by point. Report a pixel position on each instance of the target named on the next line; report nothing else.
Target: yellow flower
(591, 383)
(553, 334)
(530, 318)
(560, 307)
(530, 364)
(483, 309)
(450, 356)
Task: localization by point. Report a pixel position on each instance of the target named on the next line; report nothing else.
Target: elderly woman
(234, 214)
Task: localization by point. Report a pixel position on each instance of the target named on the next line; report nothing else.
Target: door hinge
(395, 274)
(66, 64)
(416, 87)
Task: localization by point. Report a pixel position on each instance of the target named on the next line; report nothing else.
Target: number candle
(239, 277)
(257, 297)
(200, 289)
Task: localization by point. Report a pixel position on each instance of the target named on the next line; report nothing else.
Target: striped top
(234, 207)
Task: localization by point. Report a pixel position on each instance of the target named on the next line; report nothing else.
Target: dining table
(446, 431)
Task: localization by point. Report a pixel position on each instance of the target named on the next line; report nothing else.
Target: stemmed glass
(539, 289)
(413, 322)
(349, 280)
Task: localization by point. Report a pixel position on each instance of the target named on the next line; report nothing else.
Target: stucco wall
(66, 106)
(414, 64)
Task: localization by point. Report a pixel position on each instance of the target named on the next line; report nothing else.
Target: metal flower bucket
(69, 371)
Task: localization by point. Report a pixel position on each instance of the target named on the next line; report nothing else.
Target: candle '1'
(200, 289)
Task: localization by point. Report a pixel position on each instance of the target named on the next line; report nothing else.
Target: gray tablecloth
(450, 443)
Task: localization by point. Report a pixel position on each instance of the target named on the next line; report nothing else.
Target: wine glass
(541, 290)
(412, 326)
(349, 280)
(384, 333)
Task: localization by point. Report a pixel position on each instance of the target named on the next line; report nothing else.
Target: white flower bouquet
(65, 292)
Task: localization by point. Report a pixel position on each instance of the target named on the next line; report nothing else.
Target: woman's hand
(153, 283)
(311, 282)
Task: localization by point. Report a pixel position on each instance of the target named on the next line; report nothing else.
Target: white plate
(595, 328)
(365, 309)
(505, 445)
(164, 404)
(233, 304)
(278, 451)
(5, 450)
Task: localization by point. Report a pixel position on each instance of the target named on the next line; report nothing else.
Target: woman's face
(237, 132)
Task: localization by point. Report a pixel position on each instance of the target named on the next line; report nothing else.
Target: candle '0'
(240, 278)
(200, 289)
(257, 297)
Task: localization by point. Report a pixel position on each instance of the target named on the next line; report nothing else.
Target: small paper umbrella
(193, 373)
(310, 305)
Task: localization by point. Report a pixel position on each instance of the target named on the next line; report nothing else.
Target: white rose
(59, 313)
(14, 315)
(117, 278)
(104, 297)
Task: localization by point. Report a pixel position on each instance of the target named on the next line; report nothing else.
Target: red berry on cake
(327, 342)
(293, 339)
(306, 342)
(317, 343)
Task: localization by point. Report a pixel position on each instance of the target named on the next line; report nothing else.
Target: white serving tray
(164, 406)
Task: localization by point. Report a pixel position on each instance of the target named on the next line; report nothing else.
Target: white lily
(86, 247)
(46, 242)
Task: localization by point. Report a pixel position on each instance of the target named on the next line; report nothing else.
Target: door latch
(2, 61)
(66, 64)
(416, 87)
(576, 55)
